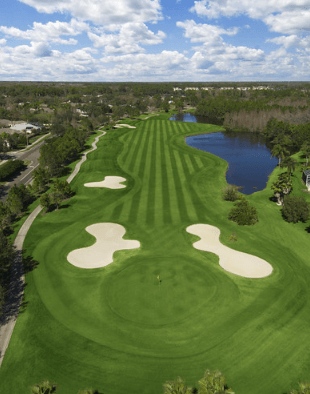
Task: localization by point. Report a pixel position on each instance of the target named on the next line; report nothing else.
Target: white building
(28, 127)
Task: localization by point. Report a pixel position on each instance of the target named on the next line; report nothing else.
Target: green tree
(5, 216)
(18, 199)
(44, 388)
(177, 387)
(61, 191)
(295, 209)
(304, 388)
(282, 187)
(243, 213)
(290, 164)
(213, 382)
(305, 148)
(41, 178)
(280, 152)
(231, 193)
(46, 202)
(7, 255)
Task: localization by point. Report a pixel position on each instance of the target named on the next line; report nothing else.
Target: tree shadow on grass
(15, 302)
(308, 229)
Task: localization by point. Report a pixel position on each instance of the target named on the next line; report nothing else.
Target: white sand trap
(238, 263)
(124, 125)
(109, 238)
(111, 182)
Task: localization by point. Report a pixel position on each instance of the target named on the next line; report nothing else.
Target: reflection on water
(249, 159)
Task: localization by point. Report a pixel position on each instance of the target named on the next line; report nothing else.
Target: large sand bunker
(109, 239)
(238, 263)
(111, 182)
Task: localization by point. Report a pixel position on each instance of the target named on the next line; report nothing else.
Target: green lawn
(116, 329)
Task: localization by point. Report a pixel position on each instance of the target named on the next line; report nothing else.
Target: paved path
(16, 290)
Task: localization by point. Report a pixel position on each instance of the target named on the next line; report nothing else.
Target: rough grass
(117, 329)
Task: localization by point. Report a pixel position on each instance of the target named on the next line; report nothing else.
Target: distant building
(191, 88)
(306, 178)
(28, 127)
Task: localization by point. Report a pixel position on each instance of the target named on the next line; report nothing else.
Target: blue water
(249, 159)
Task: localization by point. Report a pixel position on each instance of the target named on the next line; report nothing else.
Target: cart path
(16, 289)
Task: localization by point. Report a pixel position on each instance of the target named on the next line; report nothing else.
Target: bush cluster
(231, 193)
(295, 209)
(243, 213)
(9, 168)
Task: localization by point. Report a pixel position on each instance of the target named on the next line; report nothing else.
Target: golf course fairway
(164, 309)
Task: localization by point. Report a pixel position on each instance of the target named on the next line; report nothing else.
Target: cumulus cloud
(102, 12)
(292, 41)
(2, 41)
(50, 32)
(198, 32)
(128, 39)
(281, 16)
(214, 53)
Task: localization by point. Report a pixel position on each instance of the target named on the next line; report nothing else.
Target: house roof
(24, 126)
(307, 172)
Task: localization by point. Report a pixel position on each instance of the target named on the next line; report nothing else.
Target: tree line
(212, 382)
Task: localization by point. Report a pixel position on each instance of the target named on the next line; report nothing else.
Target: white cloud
(292, 41)
(128, 39)
(3, 41)
(204, 32)
(214, 52)
(50, 32)
(287, 16)
(102, 12)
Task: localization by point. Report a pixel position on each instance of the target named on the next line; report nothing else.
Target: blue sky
(155, 40)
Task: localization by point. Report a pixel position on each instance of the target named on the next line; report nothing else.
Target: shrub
(295, 209)
(243, 213)
(9, 168)
(231, 193)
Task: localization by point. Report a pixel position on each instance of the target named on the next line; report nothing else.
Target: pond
(250, 161)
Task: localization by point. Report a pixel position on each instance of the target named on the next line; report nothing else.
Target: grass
(117, 329)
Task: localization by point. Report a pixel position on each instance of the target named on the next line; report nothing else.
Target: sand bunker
(124, 125)
(111, 182)
(238, 263)
(109, 239)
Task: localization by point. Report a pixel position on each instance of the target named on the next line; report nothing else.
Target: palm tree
(177, 387)
(304, 388)
(290, 164)
(306, 150)
(280, 152)
(44, 388)
(213, 382)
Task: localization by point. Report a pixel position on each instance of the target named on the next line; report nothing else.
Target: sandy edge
(109, 239)
(233, 261)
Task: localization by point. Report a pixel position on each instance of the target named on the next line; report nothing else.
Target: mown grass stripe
(158, 191)
(199, 162)
(147, 180)
(196, 203)
(189, 163)
(137, 152)
(140, 169)
(181, 192)
(173, 200)
(131, 143)
(131, 205)
(165, 197)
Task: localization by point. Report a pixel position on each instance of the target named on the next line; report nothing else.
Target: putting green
(137, 295)
(117, 328)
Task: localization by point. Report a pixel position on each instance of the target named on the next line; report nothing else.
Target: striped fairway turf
(121, 331)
